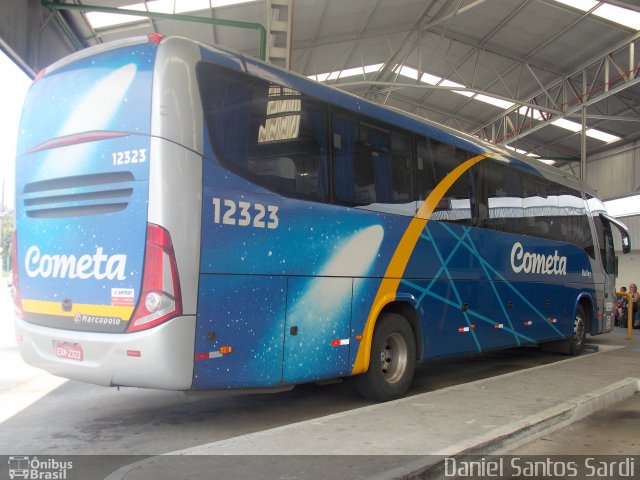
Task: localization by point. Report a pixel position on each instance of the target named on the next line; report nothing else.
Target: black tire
(392, 362)
(576, 342)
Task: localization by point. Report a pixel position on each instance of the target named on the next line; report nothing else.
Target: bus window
(344, 134)
(539, 207)
(425, 174)
(370, 163)
(574, 226)
(373, 180)
(269, 134)
(556, 212)
(402, 168)
(609, 251)
(455, 206)
(605, 240)
(501, 203)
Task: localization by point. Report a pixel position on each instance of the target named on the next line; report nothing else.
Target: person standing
(621, 310)
(635, 298)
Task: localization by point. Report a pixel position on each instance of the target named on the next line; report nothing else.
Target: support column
(583, 138)
(279, 26)
(583, 145)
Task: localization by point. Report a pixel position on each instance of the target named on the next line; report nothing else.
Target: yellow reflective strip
(389, 285)
(55, 308)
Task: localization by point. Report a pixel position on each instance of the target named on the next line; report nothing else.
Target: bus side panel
(317, 333)
(492, 324)
(239, 332)
(447, 328)
(534, 311)
(251, 232)
(473, 295)
(364, 294)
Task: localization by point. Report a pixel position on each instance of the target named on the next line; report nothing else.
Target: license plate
(70, 351)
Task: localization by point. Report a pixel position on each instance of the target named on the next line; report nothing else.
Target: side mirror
(623, 229)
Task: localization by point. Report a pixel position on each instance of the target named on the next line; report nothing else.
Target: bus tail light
(15, 285)
(155, 37)
(160, 298)
(40, 74)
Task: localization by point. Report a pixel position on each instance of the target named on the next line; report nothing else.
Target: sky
(15, 84)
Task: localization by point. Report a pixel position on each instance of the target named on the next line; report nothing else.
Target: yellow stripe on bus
(389, 286)
(55, 308)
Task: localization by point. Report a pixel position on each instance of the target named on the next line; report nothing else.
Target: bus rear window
(106, 92)
(267, 133)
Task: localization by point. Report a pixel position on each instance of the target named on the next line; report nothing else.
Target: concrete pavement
(610, 431)
(411, 437)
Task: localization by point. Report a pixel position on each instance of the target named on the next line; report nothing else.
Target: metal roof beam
(392, 86)
(365, 21)
(523, 132)
(309, 48)
(624, 80)
(609, 118)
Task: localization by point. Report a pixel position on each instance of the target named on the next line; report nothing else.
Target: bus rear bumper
(161, 357)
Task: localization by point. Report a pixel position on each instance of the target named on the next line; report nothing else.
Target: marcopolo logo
(38, 469)
(81, 318)
(98, 265)
(527, 262)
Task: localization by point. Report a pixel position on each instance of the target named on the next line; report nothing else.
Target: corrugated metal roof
(551, 58)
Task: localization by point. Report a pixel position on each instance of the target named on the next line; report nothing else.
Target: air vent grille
(79, 196)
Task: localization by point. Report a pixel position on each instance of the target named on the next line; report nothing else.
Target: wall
(615, 173)
(629, 265)
(628, 269)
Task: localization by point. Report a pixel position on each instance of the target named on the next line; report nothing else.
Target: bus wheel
(576, 343)
(392, 361)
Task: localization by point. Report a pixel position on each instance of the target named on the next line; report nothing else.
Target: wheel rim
(393, 358)
(578, 330)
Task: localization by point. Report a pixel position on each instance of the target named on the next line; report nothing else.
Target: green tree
(6, 235)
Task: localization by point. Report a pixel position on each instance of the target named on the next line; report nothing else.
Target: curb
(524, 431)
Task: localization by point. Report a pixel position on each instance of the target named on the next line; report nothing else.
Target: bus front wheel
(576, 343)
(392, 362)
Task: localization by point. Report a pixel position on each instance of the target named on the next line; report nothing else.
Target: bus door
(317, 330)
(604, 230)
(604, 280)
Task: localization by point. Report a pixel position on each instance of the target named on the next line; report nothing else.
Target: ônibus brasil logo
(522, 261)
(98, 265)
(37, 469)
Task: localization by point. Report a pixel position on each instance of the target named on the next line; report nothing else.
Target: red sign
(70, 351)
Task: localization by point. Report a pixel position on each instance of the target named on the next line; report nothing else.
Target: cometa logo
(527, 262)
(98, 265)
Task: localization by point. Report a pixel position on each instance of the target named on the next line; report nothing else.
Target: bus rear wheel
(392, 362)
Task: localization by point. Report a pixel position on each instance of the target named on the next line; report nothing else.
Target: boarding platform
(412, 437)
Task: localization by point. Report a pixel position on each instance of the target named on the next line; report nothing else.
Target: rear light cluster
(74, 139)
(15, 290)
(160, 298)
(155, 37)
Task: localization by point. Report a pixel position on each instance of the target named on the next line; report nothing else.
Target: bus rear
(92, 272)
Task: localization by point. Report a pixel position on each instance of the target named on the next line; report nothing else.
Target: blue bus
(189, 218)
